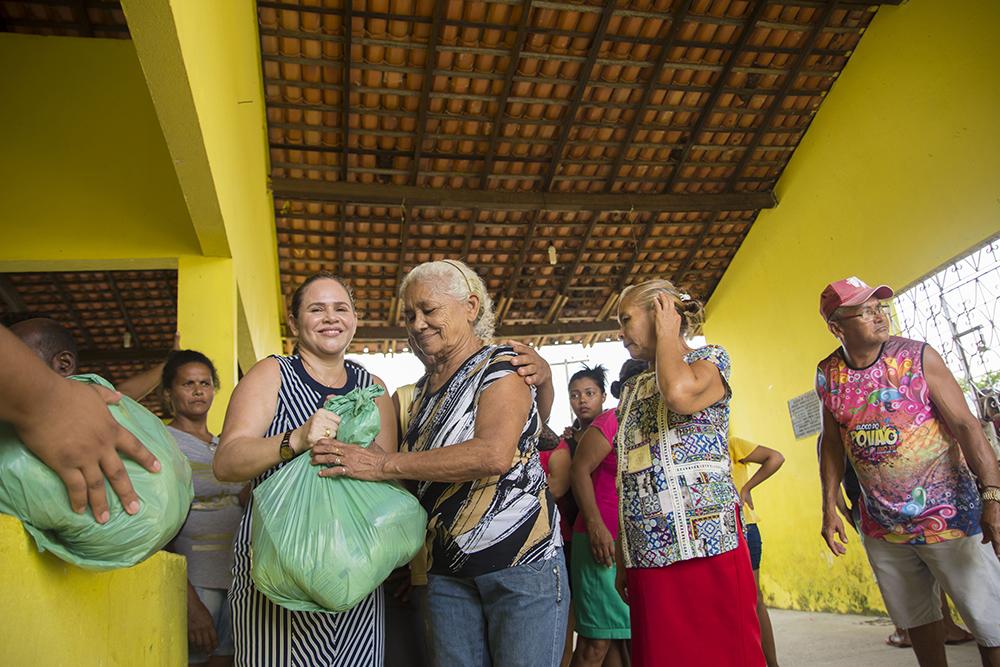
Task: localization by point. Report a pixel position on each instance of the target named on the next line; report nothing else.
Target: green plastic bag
(32, 492)
(324, 544)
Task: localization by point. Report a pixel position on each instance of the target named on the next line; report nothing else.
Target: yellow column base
(53, 613)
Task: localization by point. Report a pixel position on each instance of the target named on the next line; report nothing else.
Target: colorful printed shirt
(677, 500)
(482, 525)
(916, 486)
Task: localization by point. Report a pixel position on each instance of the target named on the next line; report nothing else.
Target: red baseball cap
(849, 292)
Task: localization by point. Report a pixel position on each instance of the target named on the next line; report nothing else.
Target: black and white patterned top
(492, 523)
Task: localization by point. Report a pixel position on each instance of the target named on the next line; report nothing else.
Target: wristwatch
(990, 493)
(285, 450)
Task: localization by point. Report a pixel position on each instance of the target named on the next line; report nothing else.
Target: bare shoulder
(263, 377)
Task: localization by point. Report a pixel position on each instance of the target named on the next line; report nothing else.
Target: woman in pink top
(602, 618)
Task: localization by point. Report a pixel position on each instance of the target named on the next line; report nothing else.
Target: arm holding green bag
(67, 425)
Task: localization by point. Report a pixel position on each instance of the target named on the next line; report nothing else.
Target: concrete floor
(808, 639)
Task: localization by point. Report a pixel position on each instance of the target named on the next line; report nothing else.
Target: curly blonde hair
(644, 294)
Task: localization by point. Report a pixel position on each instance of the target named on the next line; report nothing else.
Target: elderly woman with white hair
(683, 562)
(497, 588)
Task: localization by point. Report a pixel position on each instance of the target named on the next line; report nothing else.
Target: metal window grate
(955, 310)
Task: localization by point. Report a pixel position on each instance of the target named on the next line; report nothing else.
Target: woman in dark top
(274, 415)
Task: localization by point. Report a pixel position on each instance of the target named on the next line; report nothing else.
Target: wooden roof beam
(647, 94)
(706, 109)
(568, 119)
(80, 10)
(515, 58)
(122, 308)
(395, 195)
(786, 86)
(425, 88)
(566, 126)
(345, 100)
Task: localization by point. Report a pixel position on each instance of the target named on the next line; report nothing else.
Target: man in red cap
(930, 510)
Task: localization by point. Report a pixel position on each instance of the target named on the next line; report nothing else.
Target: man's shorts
(215, 601)
(969, 571)
(755, 545)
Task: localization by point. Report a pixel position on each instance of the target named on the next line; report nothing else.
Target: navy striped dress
(266, 634)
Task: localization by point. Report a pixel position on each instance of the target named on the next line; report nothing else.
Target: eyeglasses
(867, 314)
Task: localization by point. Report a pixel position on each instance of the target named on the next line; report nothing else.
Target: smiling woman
(274, 415)
(497, 588)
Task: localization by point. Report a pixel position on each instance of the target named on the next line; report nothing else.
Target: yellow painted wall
(897, 174)
(53, 614)
(220, 75)
(206, 317)
(84, 170)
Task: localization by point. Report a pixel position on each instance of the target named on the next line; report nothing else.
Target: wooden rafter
(83, 17)
(116, 293)
(71, 309)
(425, 88)
(562, 297)
(515, 273)
(647, 94)
(569, 118)
(498, 118)
(815, 29)
(341, 240)
(392, 195)
(678, 276)
(328, 239)
(345, 100)
(706, 110)
(404, 231)
(469, 233)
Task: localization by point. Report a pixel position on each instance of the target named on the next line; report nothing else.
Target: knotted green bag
(32, 492)
(324, 544)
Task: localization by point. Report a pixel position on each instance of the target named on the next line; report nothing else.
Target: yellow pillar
(54, 613)
(206, 318)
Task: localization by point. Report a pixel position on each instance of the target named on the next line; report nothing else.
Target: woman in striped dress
(275, 414)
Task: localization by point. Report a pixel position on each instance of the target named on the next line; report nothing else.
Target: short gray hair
(458, 281)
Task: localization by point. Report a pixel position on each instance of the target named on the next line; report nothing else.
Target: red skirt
(696, 613)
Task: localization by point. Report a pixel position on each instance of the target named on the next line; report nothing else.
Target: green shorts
(600, 612)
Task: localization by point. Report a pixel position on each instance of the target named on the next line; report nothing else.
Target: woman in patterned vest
(686, 574)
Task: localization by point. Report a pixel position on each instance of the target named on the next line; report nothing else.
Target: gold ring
(336, 461)
(327, 433)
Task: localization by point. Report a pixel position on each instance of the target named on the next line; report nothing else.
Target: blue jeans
(515, 617)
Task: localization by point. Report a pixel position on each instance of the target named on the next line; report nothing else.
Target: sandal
(899, 639)
(964, 639)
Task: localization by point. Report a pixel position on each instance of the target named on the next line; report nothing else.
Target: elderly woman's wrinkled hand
(530, 365)
(345, 460)
(666, 318)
